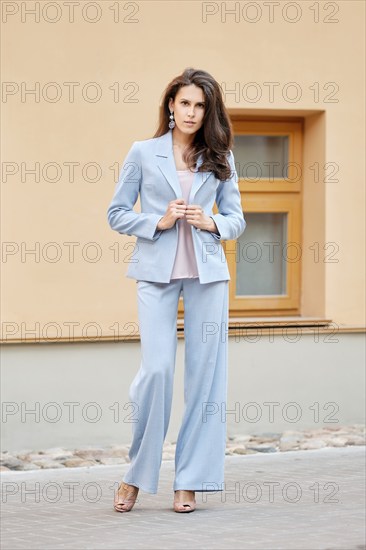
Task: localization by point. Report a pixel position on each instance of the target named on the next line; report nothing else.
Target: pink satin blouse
(185, 265)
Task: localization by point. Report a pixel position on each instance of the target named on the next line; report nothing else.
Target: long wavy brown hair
(214, 138)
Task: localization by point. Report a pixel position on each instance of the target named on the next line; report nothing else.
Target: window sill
(247, 327)
(292, 325)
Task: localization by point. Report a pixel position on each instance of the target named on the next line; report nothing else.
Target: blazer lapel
(166, 163)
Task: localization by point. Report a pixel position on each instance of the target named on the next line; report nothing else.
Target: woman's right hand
(176, 210)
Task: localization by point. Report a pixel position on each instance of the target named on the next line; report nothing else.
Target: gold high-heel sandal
(127, 503)
(184, 507)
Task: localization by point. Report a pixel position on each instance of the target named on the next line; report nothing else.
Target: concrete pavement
(300, 500)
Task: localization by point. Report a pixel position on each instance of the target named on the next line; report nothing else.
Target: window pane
(261, 255)
(259, 157)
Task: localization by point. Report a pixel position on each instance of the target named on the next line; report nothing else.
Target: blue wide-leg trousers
(201, 442)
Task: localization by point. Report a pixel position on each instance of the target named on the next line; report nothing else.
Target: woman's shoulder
(147, 144)
(149, 141)
(151, 145)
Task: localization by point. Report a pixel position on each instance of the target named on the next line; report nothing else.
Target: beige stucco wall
(165, 38)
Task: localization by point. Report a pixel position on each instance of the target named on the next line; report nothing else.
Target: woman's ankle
(128, 486)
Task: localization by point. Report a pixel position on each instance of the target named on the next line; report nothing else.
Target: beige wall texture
(82, 82)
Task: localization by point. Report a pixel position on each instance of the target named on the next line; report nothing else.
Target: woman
(179, 173)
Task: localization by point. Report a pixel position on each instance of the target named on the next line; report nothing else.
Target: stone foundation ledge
(289, 440)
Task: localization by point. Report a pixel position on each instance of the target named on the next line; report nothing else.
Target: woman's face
(189, 105)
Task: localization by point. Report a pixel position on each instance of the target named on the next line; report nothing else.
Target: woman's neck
(181, 141)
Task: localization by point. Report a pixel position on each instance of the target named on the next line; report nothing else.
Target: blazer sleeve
(230, 220)
(120, 214)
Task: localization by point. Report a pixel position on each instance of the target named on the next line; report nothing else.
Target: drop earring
(172, 121)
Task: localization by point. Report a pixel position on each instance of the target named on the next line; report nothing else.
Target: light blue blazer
(149, 169)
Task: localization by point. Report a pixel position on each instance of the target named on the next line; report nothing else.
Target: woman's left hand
(196, 216)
